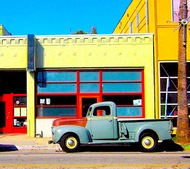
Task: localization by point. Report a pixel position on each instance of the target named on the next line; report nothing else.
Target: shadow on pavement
(170, 146)
(111, 148)
(8, 147)
(167, 146)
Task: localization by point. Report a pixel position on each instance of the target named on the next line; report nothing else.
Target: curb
(37, 148)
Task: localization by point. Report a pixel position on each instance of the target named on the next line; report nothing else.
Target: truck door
(103, 124)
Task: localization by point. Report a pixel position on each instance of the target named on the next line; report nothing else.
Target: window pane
(56, 100)
(171, 98)
(20, 100)
(89, 76)
(188, 83)
(122, 100)
(188, 69)
(170, 110)
(176, 4)
(188, 98)
(168, 69)
(67, 111)
(129, 111)
(121, 76)
(122, 87)
(60, 76)
(41, 77)
(89, 87)
(54, 88)
(171, 83)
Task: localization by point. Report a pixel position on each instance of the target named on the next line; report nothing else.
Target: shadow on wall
(40, 53)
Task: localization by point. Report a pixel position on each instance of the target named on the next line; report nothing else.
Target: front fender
(82, 133)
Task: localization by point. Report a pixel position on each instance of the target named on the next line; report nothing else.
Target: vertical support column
(31, 104)
(31, 127)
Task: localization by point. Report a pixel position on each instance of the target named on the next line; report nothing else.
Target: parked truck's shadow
(168, 146)
(8, 147)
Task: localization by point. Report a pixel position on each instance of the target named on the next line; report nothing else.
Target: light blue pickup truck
(102, 126)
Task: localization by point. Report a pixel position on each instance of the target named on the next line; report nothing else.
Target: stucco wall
(13, 52)
(44, 125)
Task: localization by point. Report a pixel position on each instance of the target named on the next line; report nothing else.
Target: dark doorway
(86, 102)
(2, 114)
(12, 82)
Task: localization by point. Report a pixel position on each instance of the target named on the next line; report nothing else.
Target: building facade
(3, 31)
(47, 77)
(161, 19)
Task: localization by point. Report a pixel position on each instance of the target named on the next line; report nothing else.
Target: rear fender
(161, 129)
(143, 128)
(82, 133)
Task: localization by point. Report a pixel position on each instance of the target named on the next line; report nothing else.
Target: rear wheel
(148, 142)
(69, 143)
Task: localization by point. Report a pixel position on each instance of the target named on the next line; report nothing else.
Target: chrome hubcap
(147, 142)
(70, 142)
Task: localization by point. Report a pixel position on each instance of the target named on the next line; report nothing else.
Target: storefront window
(89, 82)
(169, 89)
(58, 91)
(19, 111)
(121, 76)
(56, 111)
(89, 76)
(56, 82)
(122, 87)
(89, 88)
(129, 111)
(57, 88)
(127, 105)
(56, 106)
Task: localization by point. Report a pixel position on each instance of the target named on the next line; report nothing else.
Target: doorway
(85, 102)
(12, 107)
(2, 115)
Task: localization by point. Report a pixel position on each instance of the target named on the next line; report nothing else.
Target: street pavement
(11, 142)
(22, 141)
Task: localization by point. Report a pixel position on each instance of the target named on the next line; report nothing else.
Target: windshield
(88, 112)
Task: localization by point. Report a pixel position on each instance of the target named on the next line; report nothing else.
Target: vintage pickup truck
(102, 126)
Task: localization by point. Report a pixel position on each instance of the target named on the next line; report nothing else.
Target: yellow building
(160, 18)
(46, 77)
(3, 31)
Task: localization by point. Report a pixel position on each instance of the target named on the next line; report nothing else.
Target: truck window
(102, 111)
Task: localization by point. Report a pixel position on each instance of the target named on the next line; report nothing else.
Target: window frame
(100, 93)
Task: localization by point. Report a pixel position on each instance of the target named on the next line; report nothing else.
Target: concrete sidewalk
(22, 141)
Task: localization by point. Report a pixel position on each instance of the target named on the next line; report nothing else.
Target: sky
(57, 17)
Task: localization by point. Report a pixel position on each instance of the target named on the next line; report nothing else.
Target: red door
(13, 110)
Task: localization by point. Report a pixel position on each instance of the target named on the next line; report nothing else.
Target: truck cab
(102, 121)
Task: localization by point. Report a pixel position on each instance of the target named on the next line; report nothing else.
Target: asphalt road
(93, 159)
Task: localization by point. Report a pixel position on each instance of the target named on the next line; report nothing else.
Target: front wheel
(69, 143)
(148, 142)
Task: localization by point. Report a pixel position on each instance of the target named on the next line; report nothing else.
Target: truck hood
(70, 121)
